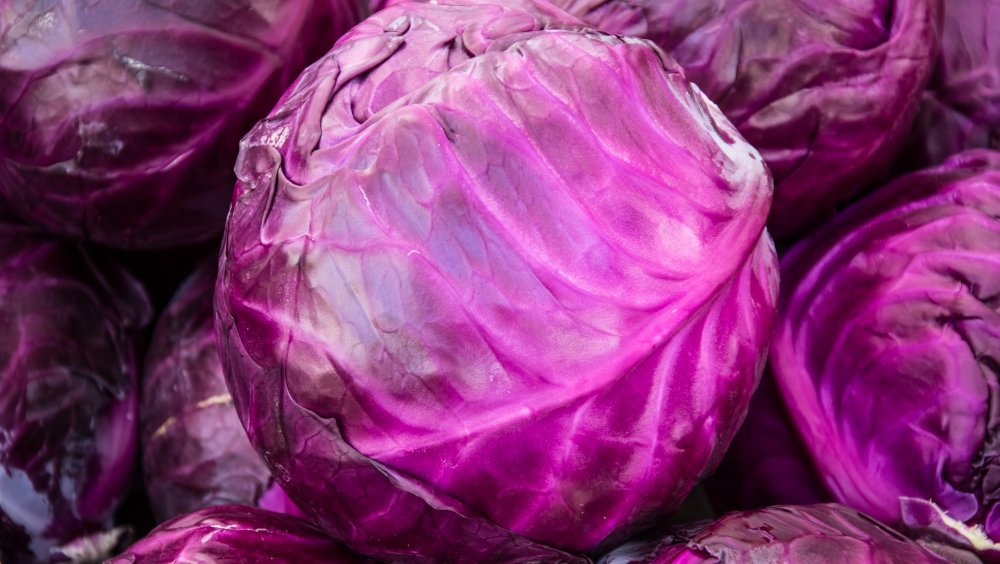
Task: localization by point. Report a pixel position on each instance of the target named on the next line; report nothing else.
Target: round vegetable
(809, 534)
(119, 121)
(233, 534)
(826, 91)
(195, 452)
(493, 283)
(887, 352)
(67, 394)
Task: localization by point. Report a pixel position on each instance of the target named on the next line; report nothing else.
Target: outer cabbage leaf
(826, 91)
(887, 351)
(493, 283)
(961, 107)
(195, 451)
(67, 394)
(236, 534)
(119, 121)
(809, 534)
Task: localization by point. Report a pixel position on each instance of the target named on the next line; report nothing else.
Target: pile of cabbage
(500, 281)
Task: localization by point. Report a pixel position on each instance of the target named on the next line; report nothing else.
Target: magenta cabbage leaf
(493, 284)
(68, 378)
(119, 120)
(887, 352)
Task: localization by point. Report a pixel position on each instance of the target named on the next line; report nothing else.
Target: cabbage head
(887, 351)
(119, 120)
(494, 285)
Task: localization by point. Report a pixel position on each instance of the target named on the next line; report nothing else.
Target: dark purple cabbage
(887, 354)
(234, 534)
(961, 107)
(809, 534)
(825, 90)
(68, 378)
(195, 451)
(494, 285)
(119, 120)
